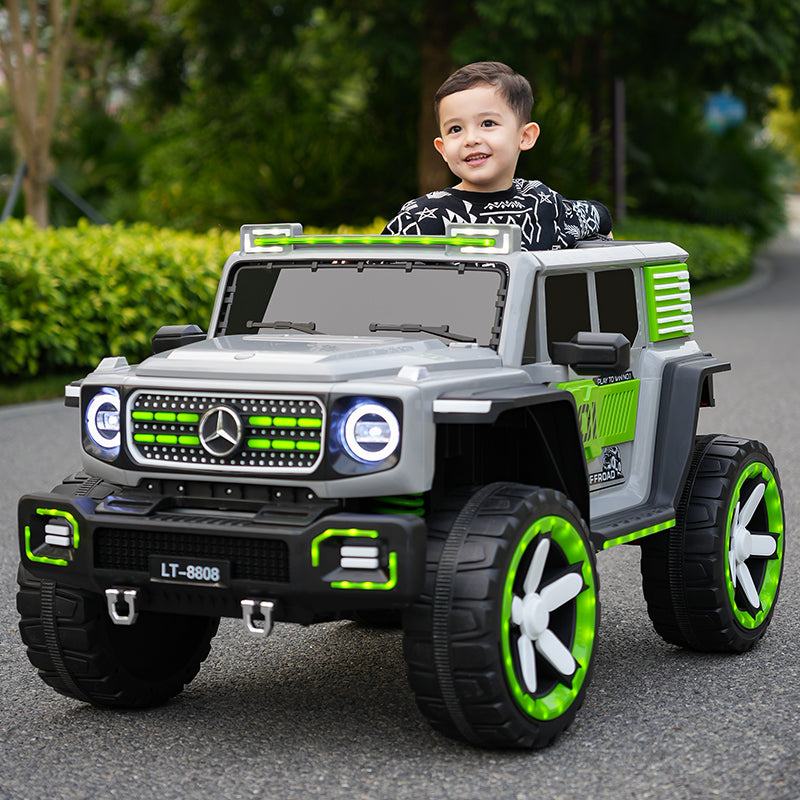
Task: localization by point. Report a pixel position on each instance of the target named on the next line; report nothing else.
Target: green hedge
(71, 296)
(715, 254)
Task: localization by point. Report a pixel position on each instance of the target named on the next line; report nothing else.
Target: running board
(630, 525)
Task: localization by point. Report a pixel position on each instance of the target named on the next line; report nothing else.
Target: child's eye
(488, 123)
(455, 129)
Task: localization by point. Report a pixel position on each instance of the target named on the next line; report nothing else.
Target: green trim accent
(284, 422)
(370, 585)
(772, 576)
(607, 414)
(669, 301)
(259, 422)
(565, 536)
(188, 418)
(58, 562)
(632, 537)
(259, 444)
(308, 446)
(57, 512)
(454, 241)
(191, 441)
(144, 437)
(166, 438)
(309, 422)
(165, 416)
(142, 415)
(330, 533)
(401, 504)
(283, 444)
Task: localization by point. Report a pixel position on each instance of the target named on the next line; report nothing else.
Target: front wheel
(711, 582)
(500, 647)
(80, 653)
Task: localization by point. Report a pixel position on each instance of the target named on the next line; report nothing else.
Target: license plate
(197, 571)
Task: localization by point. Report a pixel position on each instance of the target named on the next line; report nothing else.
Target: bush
(70, 296)
(715, 253)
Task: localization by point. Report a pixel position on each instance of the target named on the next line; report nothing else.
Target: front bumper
(335, 563)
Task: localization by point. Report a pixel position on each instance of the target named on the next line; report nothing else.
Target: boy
(483, 112)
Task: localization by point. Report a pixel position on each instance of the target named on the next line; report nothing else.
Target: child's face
(481, 138)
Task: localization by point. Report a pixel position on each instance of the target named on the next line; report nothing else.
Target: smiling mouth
(476, 158)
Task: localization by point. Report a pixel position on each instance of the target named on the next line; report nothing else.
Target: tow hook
(257, 616)
(114, 598)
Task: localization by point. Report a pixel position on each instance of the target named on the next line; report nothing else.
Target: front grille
(268, 434)
(129, 549)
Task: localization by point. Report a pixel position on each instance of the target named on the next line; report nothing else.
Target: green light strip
(309, 422)
(632, 537)
(191, 441)
(142, 415)
(188, 418)
(260, 422)
(284, 422)
(330, 533)
(56, 512)
(455, 241)
(58, 562)
(144, 437)
(390, 584)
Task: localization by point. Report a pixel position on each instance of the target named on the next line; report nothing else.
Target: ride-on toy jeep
(446, 427)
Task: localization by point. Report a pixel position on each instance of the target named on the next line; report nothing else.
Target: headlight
(371, 432)
(102, 424)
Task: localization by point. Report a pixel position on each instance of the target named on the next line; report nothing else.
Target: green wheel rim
(566, 537)
(773, 510)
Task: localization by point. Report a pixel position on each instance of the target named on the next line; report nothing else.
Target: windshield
(458, 302)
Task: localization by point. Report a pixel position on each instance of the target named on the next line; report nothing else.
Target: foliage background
(194, 113)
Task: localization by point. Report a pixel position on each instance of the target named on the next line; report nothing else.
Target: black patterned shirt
(548, 220)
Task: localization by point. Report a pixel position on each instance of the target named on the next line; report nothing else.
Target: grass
(34, 389)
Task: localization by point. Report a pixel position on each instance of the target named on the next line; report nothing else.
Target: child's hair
(514, 88)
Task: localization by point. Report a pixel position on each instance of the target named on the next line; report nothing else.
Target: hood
(300, 357)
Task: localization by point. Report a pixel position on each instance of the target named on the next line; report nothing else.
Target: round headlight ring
(385, 421)
(105, 402)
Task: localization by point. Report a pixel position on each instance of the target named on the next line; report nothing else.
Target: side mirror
(168, 337)
(594, 353)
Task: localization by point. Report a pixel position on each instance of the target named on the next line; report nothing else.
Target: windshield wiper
(410, 327)
(285, 325)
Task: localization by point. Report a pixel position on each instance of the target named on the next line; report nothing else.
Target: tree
(35, 43)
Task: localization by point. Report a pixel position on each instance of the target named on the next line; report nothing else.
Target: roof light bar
(458, 239)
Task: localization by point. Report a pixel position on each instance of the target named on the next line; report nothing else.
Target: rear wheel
(711, 582)
(500, 647)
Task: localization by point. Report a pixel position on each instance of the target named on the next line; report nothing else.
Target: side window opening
(616, 302)
(566, 307)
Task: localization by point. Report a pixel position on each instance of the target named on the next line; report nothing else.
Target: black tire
(80, 653)
(711, 584)
(462, 639)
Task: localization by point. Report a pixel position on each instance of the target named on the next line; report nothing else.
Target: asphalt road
(326, 711)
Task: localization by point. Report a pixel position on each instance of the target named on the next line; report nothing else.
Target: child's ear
(438, 143)
(530, 133)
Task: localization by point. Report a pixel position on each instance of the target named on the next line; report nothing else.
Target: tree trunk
(34, 78)
(436, 64)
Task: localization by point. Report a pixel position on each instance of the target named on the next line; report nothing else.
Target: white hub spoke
(536, 569)
(749, 588)
(732, 564)
(561, 591)
(763, 545)
(516, 611)
(527, 662)
(551, 647)
(750, 506)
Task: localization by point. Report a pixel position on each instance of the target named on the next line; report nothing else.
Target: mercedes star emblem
(220, 431)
